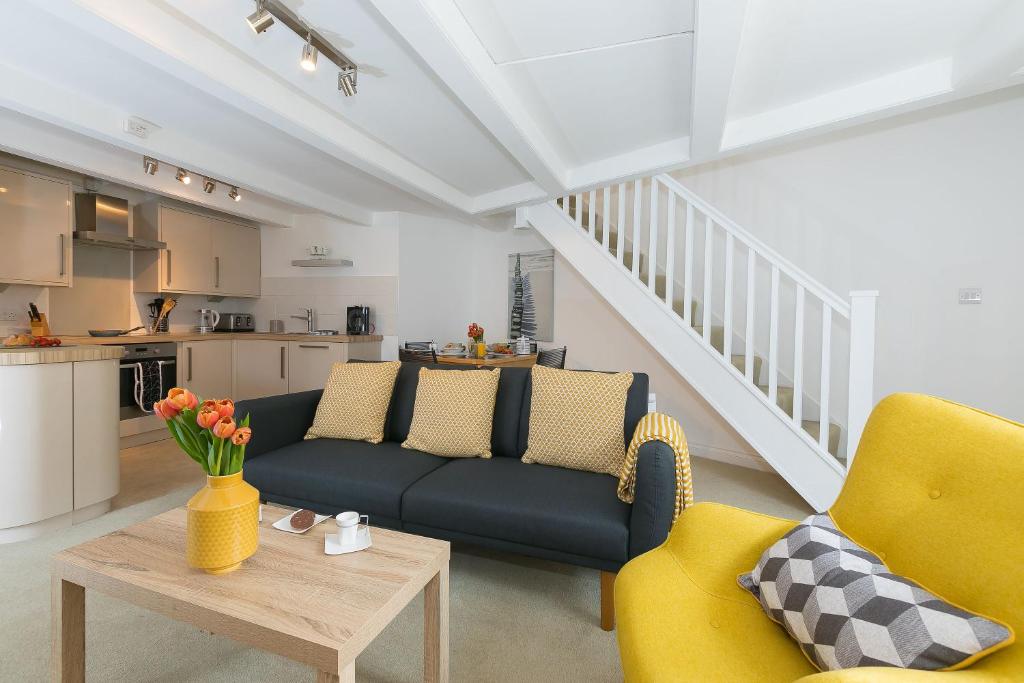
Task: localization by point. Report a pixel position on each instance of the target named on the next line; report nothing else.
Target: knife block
(40, 328)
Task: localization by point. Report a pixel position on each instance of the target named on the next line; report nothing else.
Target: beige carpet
(512, 618)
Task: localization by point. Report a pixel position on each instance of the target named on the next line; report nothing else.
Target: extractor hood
(103, 221)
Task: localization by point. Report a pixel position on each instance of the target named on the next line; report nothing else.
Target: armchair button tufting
(881, 555)
(935, 493)
(715, 623)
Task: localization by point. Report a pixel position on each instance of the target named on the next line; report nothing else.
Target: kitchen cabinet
(309, 363)
(204, 254)
(96, 408)
(35, 229)
(206, 368)
(261, 368)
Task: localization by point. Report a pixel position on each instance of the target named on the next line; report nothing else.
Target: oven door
(144, 382)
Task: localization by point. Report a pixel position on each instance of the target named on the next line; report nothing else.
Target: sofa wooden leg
(607, 600)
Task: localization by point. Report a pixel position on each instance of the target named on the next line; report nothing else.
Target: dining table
(492, 360)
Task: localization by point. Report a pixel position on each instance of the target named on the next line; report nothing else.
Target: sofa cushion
(454, 413)
(343, 475)
(535, 505)
(636, 408)
(355, 402)
(507, 404)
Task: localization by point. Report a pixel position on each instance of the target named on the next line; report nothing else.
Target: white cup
(348, 526)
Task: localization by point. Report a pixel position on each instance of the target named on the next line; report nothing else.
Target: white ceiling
(795, 50)
(472, 107)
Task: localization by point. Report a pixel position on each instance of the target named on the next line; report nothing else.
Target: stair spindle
(652, 239)
(727, 322)
(637, 205)
(688, 267)
(620, 236)
(579, 210)
(748, 330)
(606, 210)
(591, 210)
(798, 359)
(709, 264)
(670, 248)
(826, 374)
(773, 340)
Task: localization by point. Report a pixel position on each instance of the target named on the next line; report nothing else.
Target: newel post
(862, 366)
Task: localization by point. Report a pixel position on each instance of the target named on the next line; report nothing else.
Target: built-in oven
(148, 371)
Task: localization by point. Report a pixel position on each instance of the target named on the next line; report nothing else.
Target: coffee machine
(359, 320)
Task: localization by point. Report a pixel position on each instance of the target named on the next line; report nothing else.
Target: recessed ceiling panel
(521, 29)
(793, 50)
(603, 103)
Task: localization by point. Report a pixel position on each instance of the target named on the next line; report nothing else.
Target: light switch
(970, 295)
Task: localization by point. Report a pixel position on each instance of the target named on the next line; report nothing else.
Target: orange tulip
(208, 403)
(166, 410)
(223, 428)
(225, 406)
(207, 416)
(241, 436)
(182, 399)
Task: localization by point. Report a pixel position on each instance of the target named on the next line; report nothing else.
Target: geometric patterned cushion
(576, 419)
(454, 413)
(845, 608)
(355, 402)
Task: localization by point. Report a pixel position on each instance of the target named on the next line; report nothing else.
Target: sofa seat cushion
(342, 474)
(535, 505)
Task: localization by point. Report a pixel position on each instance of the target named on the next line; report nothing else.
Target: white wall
(915, 207)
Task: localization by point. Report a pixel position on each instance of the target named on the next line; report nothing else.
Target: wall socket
(8, 316)
(970, 295)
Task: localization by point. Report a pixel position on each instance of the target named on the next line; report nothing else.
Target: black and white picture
(531, 295)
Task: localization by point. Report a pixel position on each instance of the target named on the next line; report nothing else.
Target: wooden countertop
(27, 355)
(194, 336)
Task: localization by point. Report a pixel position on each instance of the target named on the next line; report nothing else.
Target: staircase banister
(837, 303)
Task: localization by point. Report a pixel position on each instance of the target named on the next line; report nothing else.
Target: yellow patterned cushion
(454, 412)
(355, 402)
(576, 419)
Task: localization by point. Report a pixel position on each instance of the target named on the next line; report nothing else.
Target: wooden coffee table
(289, 598)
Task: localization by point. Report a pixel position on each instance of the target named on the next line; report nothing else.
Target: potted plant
(223, 516)
(477, 346)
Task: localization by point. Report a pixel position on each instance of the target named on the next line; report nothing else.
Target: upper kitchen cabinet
(204, 254)
(35, 229)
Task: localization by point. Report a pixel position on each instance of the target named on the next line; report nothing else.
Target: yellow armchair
(936, 490)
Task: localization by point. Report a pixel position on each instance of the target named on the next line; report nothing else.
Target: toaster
(236, 322)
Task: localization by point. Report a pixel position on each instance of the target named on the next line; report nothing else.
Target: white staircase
(776, 353)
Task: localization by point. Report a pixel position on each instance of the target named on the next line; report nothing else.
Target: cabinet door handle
(312, 346)
(282, 361)
(216, 271)
(168, 267)
(188, 352)
(62, 255)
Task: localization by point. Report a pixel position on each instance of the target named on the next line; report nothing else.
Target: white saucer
(285, 523)
(332, 547)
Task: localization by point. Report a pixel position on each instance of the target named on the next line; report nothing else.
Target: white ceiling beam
(448, 46)
(160, 36)
(994, 51)
(637, 163)
(508, 198)
(29, 94)
(891, 94)
(717, 37)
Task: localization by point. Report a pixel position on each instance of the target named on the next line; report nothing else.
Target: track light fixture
(270, 11)
(151, 165)
(308, 61)
(347, 81)
(260, 20)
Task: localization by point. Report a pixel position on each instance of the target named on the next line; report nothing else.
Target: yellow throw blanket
(658, 427)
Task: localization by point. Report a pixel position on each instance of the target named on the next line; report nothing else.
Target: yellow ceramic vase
(223, 524)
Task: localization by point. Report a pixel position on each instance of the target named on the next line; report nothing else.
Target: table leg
(67, 631)
(435, 628)
(347, 675)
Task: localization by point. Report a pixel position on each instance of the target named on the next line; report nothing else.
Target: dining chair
(552, 358)
(422, 346)
(424, 356)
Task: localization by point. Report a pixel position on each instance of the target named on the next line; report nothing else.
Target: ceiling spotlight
(347, 81)
(308, 54)
(183, 177)
(234, 194)
(209, 185)
(150, 165)
(260, 20)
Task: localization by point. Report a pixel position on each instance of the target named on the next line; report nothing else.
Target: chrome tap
(310, 319)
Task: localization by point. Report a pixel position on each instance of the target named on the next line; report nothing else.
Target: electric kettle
(208, 319)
